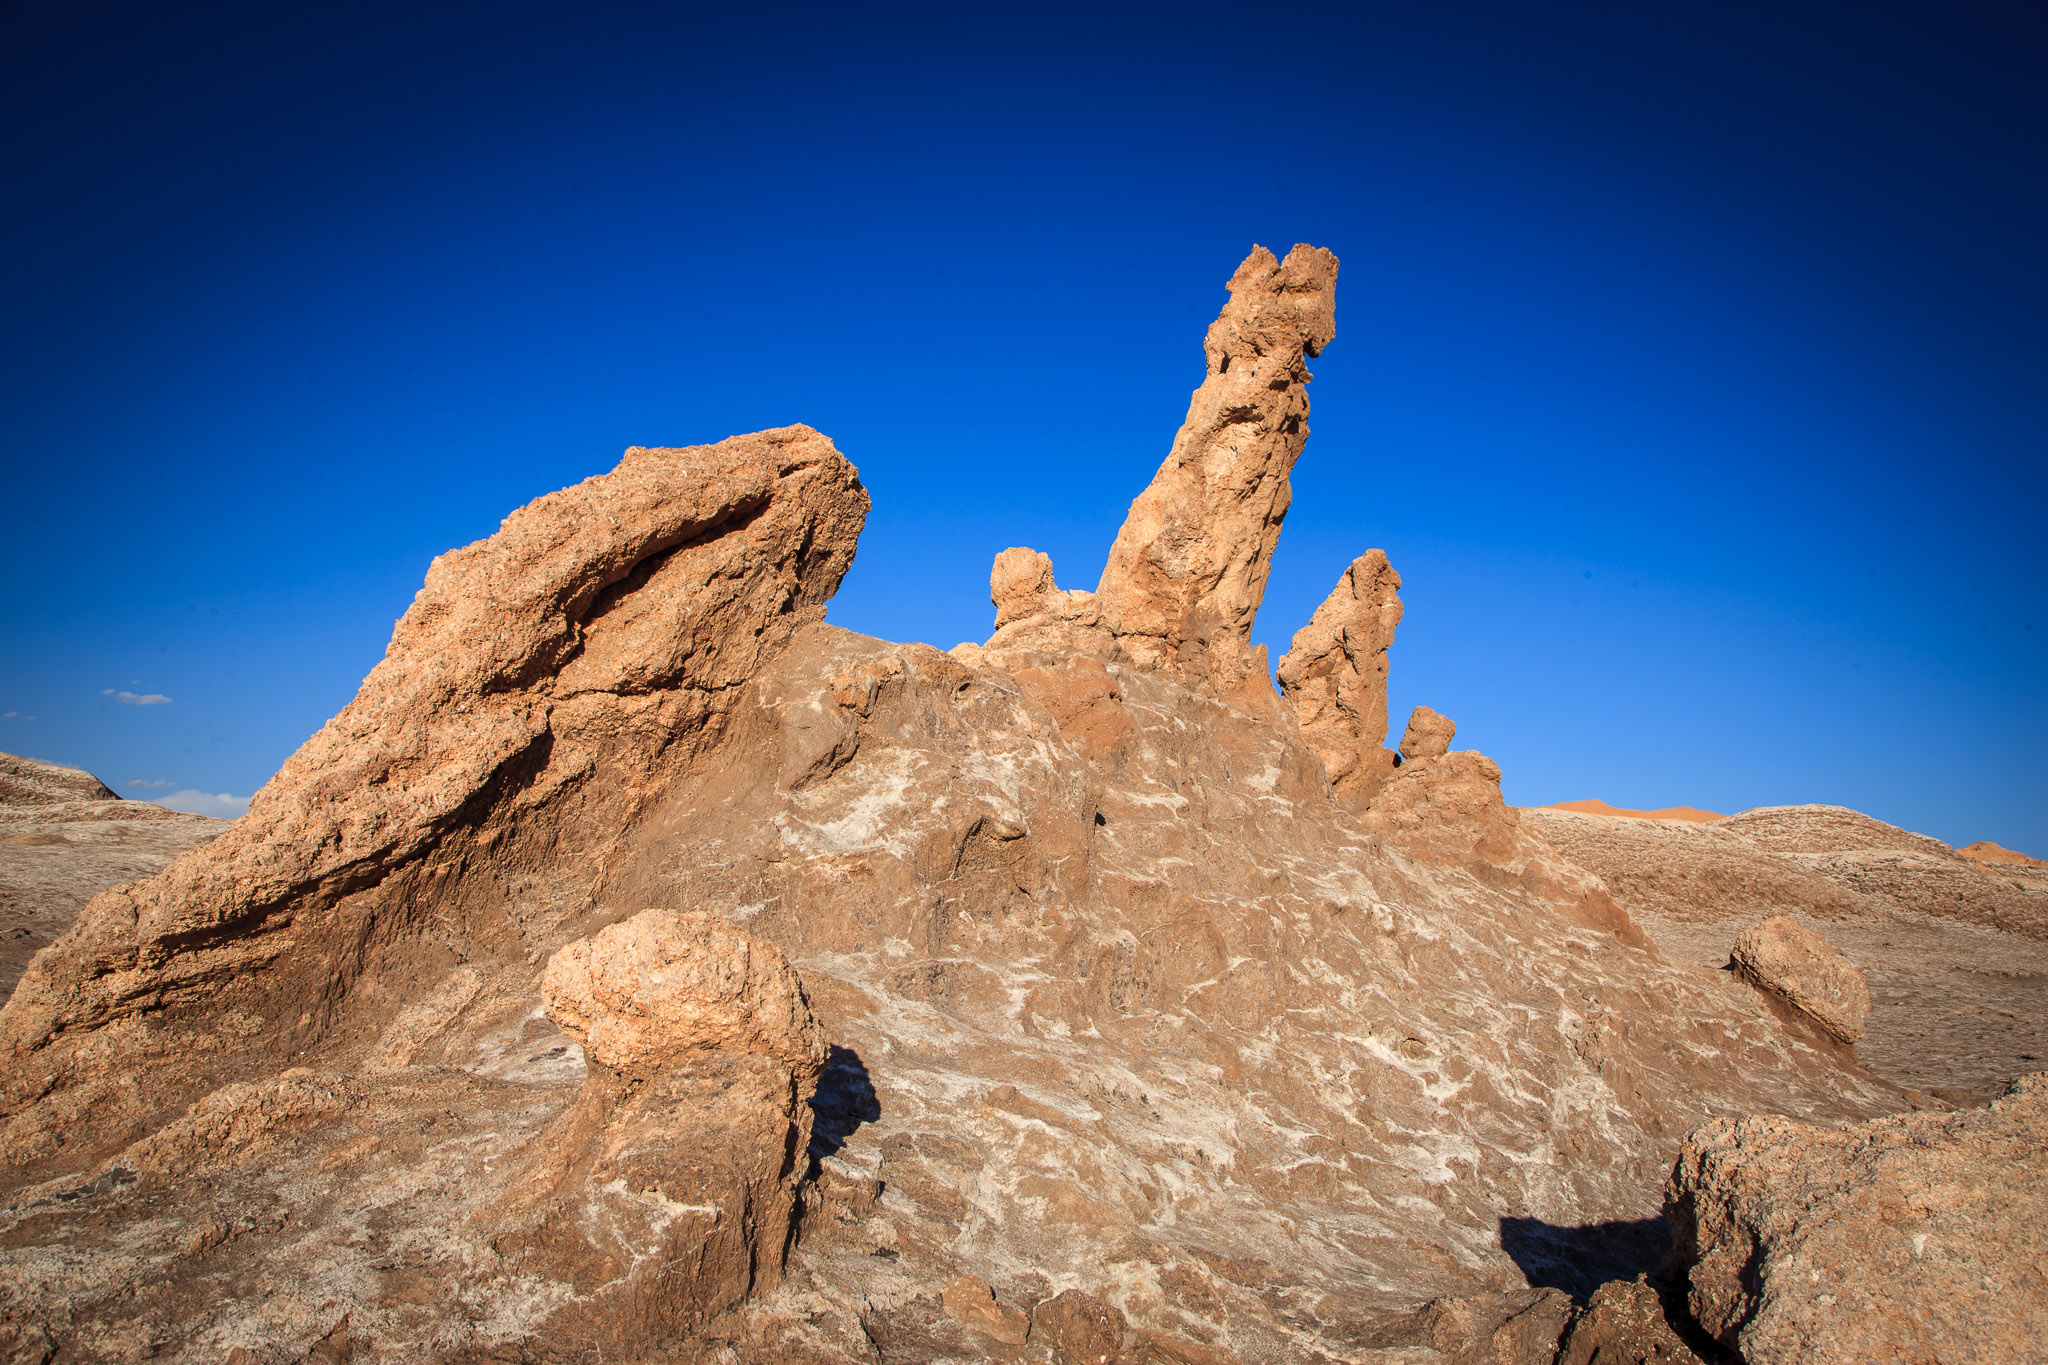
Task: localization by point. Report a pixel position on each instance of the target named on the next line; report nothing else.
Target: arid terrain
(642, 968)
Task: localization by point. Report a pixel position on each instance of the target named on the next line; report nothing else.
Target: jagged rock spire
(1188, 570)
(1334, 675)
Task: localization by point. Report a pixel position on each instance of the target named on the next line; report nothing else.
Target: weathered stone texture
(1804, 970)
(1921, 1237)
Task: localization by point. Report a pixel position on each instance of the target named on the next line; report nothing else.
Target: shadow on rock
(1580, 1259)
(845, 1100)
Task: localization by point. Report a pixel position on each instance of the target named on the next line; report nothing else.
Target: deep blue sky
(1692, 359)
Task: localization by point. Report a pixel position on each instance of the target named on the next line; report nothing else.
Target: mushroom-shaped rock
(1334, 674)
(1804, 970)
(647, 993)
(1429, 735)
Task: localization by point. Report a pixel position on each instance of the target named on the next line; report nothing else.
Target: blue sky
(1692, 359)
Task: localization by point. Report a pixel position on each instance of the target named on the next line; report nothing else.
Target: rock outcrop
(1804, 970)
(668, 1191)
(1428, 735)
(601, 627)
(1922, 1237)
(27, 782)
(1334, 675)
(1188, 570)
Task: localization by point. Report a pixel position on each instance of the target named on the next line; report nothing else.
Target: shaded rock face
(1922, 1237)
(1804, 970)
(481, 1037)
(1334, 675)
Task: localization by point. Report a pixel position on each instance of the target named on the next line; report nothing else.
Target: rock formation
(1428, 735)
(1188, 570)
(482, 1036)
(1804, 970)
(1922, 1237)
(687, 1142)
(1334, 675)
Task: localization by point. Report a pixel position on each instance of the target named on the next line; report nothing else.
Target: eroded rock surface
(1188, 569)
(1922, 1237)
(1959, 1006)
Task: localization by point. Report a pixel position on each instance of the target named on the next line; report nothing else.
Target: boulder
(1919, 1237)
(1804, 970)
(645, 995)
(1334, 676)
(1625, 1323)
(1428, 735)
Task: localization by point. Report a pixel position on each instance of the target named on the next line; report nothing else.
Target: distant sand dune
(1984, 851)
(1598, 807)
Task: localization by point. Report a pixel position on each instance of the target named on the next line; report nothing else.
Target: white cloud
(205, 803)
(9, 715)
(153, 786)
(131, 699)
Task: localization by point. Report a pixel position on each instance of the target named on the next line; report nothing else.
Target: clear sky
(1692, 359)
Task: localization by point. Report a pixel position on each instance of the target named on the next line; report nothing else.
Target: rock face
(1334, 675)
(1923, 1237)
(1804, 970)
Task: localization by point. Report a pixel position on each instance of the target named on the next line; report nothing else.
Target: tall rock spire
(1188, 569)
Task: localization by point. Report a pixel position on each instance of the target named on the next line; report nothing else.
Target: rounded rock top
(646, 994)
